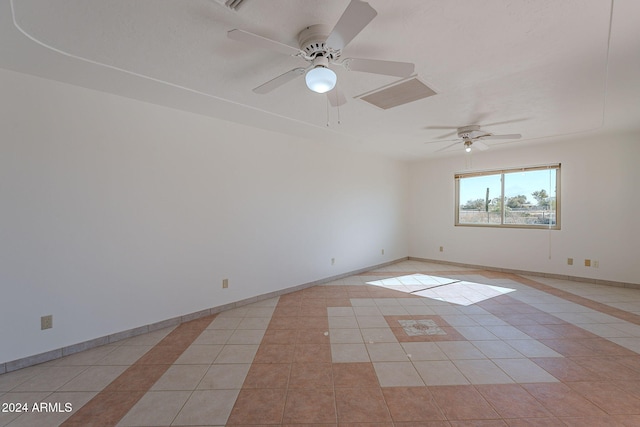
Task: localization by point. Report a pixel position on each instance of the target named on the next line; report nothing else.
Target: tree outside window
(526, 197)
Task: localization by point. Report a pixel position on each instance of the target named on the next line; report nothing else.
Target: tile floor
(411, 344)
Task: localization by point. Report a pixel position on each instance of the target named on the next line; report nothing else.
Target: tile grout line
(577, 299)
(57, 353)
(565, 295)
(195, 388)
(119, 396)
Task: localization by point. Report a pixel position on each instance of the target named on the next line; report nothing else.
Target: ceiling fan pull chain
(338, 107)
(327, 111)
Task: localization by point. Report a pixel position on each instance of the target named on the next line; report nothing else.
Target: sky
(516, 183)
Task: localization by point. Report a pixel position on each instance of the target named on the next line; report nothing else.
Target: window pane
(479, 199)
(530, 197)
(526, 197)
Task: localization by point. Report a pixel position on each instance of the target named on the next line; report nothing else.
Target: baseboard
(118, 336)
(533, 273)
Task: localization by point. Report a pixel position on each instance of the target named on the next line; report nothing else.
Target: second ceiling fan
(321, 48)
(473, 135)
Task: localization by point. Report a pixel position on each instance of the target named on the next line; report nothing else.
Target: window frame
(502, 173)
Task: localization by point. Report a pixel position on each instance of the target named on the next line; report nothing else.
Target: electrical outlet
(333, 261)
(569, 261)
(46, 322)
(596, 264)
(587, 263)
(441, 248)
(382, 252)
(225, 283)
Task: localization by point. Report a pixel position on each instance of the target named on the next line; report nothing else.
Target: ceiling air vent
(231, 4)
(398, 93)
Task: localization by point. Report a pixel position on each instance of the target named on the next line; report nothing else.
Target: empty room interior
(320, 213)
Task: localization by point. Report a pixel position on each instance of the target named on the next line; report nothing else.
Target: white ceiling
(542, 68)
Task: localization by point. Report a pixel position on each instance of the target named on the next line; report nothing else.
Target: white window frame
(502, 173)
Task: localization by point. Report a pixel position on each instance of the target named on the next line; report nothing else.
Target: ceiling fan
(322, 48)
(473, 135)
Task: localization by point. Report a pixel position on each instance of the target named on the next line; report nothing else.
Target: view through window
(523, 197)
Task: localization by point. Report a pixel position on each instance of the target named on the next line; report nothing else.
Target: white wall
(117, 213)
(600, 208)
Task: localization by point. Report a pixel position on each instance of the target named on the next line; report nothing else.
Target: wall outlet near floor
(225, 283)
(596, 264)
(46, 322)
(382, 252)
(333, 261)
(587, 263)
(569, 261)
(441, 248)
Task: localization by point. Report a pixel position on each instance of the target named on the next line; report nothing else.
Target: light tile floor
(411, 344)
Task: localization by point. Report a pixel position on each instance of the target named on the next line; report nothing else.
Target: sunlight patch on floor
(442, 288)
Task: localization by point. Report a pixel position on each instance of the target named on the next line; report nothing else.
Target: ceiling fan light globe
(320, 79)
(468, 149)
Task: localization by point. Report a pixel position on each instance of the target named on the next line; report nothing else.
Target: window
(526, 197)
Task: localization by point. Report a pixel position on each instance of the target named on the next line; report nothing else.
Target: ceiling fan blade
(505, 122)
(353, 20)
(376, 66)
(510, 136)
(448, 134)
(279, 81)
(480, 146)
(256, 40)
(336, 97)
(448, 146)
(441, 127)
(478, 117)
(443, 140)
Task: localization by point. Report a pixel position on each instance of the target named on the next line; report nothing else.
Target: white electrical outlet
(333, 261)
(382, 253)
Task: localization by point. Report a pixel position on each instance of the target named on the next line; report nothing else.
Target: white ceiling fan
(474, 135)
(321, 48)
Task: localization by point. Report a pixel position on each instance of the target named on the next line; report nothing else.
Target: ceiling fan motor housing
(312, 42)
(471, 132)
(322, 46)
